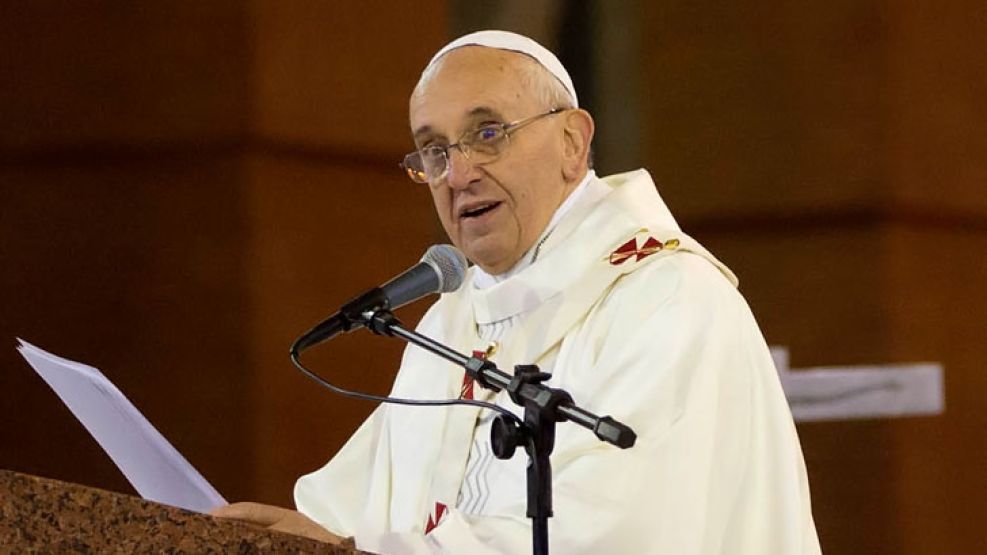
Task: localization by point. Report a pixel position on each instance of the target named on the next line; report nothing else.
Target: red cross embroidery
(435, 517)
(630, 249)
(466, 392)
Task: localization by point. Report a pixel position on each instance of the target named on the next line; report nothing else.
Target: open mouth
(478, 210)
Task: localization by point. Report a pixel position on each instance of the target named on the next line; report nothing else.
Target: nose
(461, 171)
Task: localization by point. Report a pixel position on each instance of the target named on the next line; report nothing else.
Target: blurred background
(185, 186)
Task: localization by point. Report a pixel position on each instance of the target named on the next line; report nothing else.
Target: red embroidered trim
(629, 249)
(623, 252)
(466, 392)
(649, 247)
(435, 518)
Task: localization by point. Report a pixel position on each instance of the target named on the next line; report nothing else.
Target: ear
(577, 136)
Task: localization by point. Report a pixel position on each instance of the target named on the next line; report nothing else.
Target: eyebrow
(426, 131)
(483, 111)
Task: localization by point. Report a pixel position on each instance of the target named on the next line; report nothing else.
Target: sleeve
(674, 352)
(348, 475)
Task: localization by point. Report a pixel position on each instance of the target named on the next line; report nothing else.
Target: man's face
(496, 211)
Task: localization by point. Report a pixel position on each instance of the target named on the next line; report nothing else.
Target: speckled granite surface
(38, 515)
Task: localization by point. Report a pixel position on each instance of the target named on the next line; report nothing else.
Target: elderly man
(592, 280)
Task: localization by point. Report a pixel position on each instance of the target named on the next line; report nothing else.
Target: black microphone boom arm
(382, 322)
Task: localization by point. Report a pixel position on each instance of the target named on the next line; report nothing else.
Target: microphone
(441, 270)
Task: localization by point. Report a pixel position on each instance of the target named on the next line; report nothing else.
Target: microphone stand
(543, 407)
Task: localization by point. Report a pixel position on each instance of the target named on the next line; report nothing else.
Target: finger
(256, 513)
(300, 525)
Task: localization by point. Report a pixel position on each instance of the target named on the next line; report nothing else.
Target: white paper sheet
(152, 465)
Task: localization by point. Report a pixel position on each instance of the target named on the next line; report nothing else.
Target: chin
(491, 260)
(494, 252)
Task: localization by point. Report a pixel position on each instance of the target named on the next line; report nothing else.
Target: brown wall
(185, 187)
(121, 225)
(330, 211)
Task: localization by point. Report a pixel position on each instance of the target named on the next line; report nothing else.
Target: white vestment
(637, 321)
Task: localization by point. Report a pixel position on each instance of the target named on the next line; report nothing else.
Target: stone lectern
(38, 515)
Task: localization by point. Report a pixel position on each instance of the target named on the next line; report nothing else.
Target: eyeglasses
(480, 146)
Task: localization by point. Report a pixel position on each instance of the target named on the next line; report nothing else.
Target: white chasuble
(635, 320)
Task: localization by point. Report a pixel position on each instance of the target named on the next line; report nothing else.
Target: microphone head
(449, 263)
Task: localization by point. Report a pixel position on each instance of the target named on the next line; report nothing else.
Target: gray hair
(549, 91)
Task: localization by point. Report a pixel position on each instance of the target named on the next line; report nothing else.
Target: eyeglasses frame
(464, 147)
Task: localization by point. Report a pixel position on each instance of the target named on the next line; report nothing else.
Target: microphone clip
(363, 309)
(381, 321)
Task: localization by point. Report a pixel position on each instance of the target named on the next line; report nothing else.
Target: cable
(398, 400)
